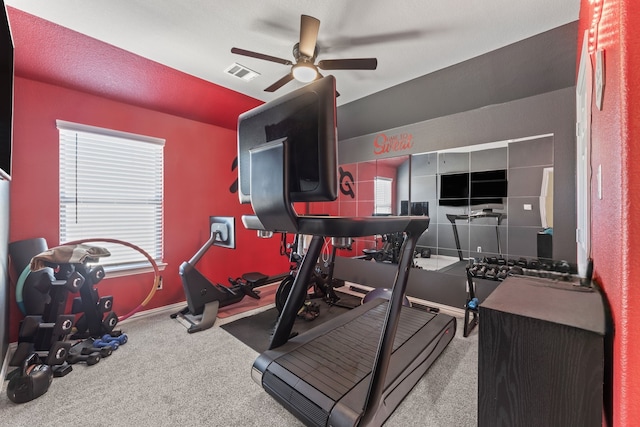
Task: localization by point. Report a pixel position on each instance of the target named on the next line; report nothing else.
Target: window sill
(116, 271)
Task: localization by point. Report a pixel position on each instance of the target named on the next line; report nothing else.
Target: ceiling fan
(305, 52)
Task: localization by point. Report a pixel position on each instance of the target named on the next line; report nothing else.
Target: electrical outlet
(479, 249)
(159, 286)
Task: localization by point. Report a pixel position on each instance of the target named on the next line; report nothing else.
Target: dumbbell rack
(98, 317)
(45, 335)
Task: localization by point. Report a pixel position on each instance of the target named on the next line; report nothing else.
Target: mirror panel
(510, 227)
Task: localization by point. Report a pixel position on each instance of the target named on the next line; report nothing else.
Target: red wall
(53, 54)
(615, 223)
(198, 163)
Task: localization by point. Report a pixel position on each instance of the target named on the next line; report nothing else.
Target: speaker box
(541, 355)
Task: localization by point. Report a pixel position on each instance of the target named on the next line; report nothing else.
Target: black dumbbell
(89, 359)
(97, 274)
(105, 351)
(99, 344)
(491, 273)
(515, 271)
(110, 322)
(562, 267)
(105, 304)
(503, 271)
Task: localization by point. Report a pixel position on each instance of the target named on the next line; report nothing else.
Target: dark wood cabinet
(541, 355)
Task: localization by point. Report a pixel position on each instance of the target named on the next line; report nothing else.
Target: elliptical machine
(204, 298)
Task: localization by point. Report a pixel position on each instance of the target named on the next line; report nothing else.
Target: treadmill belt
(336, 361)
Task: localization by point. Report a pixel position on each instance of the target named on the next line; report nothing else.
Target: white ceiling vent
(241, 72)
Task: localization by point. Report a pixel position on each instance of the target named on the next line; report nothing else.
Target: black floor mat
(255, 331)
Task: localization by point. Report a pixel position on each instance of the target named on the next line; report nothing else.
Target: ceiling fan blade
(260, 56)
(309, 27)
(348, 64)
(277, 85)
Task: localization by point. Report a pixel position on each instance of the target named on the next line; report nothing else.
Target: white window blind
(382, 189)
(111, 186)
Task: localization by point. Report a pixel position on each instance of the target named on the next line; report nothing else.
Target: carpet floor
(255, 331)
(164, 376)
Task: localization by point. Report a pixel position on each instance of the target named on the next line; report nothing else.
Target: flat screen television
(306, 118)
(488, 188)
(489, 184)
(479, 190)
(6, 95)
(454, 189)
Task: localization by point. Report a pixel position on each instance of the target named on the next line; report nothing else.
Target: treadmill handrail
(389, 329)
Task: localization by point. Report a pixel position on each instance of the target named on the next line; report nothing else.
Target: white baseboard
(172, 308)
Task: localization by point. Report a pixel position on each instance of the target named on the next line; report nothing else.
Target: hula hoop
(20, 287)
(154, 265)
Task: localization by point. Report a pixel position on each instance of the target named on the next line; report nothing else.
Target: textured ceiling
(410, 38)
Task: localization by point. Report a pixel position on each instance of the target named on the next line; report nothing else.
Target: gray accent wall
(550, 114)
(520, 91)
(542, 63)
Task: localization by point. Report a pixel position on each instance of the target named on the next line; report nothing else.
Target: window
(382, 189)
(111, 186)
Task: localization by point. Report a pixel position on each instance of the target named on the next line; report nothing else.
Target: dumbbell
(562, 267)
(105, 304)
(120, 339)
(33, 380)
(110, 322)
(104, 351)
(97, 274)
(89, 359)
(30, 325)
(99, 344)
(491, 273)
(515, 270)
(503, 271)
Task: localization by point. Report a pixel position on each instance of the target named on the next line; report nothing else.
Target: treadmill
(355, 369)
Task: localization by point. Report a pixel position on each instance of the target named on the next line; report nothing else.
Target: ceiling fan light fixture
(304, 72)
